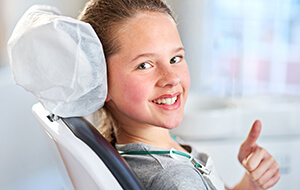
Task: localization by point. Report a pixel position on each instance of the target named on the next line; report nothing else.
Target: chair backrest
(92, 163)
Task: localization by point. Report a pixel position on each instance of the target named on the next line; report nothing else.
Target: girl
(148, 84)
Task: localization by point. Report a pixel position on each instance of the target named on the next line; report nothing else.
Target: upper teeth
(168, 101)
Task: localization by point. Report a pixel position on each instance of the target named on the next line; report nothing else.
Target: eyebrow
(152, 54)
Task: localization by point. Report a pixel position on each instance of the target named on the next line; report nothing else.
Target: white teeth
(174, 99)
(167, 101)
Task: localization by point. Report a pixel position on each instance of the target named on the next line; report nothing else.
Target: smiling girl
(148, 85)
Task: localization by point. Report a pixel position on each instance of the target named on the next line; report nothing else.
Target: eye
(144, 66)
(175, 59)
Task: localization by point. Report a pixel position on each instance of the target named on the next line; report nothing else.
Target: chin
(172, 124)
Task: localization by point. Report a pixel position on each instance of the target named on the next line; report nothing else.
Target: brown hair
(107, 17)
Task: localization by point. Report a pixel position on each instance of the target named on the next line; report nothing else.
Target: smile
(165, 101)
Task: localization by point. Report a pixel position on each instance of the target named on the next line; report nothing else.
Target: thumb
(250, 142)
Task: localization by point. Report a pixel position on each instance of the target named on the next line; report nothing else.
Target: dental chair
(91, 162)
(60, 60)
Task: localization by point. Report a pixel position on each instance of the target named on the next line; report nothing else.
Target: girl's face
(148, 79)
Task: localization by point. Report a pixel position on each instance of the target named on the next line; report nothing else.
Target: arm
(262, 171)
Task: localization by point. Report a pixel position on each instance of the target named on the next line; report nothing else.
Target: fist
(261, 167)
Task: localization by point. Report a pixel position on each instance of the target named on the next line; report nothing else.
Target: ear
(107, 97)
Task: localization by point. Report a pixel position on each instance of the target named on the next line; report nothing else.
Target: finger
(254, 159)
(250, 143)
(268, 175)
(253, 134)
(264, 166)
(272, 181)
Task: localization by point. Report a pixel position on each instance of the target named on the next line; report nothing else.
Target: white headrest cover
(60, 60)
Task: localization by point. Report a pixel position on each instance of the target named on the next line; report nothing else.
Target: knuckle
(279, 176)
(259, 182)
(264, 187)
(254, 176)
(245, 163)
(272, 159)
(248, 166)
(269, 156)
(259, 148)
(277, 168)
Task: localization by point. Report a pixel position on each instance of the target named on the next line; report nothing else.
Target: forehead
(148, 31)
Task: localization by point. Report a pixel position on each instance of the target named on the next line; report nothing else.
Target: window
(246, 47)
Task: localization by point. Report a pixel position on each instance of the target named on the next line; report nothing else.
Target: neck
(151, 135)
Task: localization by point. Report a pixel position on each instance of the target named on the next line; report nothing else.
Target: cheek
(186, 79)
(135, 90)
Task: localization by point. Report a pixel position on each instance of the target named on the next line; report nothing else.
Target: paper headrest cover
(60, 60)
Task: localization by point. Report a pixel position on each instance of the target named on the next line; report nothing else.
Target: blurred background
(244, 59)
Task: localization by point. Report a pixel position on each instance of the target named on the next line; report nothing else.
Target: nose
(168, 78)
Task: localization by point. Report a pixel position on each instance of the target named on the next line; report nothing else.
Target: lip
(174, 106)
(167, 96)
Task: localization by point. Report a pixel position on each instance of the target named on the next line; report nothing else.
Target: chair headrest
(59, 60)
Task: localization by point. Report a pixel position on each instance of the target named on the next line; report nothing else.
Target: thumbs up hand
(262, 170)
